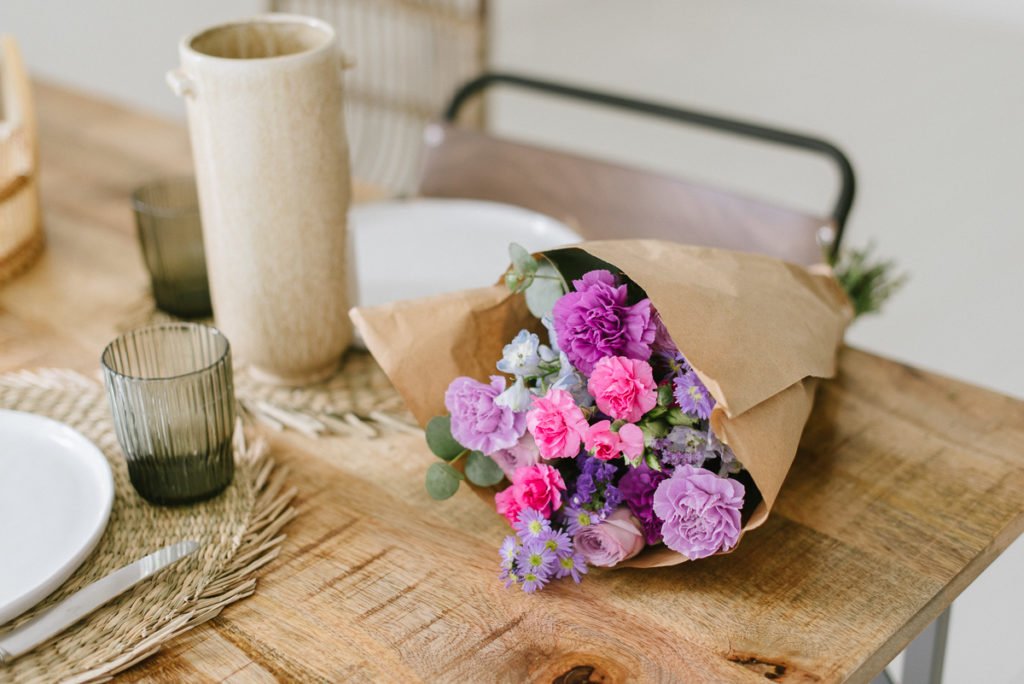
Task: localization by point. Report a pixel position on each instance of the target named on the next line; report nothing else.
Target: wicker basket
(21, 228)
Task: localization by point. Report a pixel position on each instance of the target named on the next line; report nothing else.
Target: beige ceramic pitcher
(264, 105)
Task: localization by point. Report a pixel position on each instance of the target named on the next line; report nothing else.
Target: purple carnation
(637, 488)
(477, 421)
(595, 321)
(692, 395)
(700, 510)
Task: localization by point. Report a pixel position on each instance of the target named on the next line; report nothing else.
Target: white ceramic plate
(414, 248)
(56, 491)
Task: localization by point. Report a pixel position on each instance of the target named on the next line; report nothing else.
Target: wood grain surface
(907, 485)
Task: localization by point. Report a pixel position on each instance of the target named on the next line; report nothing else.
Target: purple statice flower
(595, 321)
(531, 525)
(594, 489)
(700, 510)
(534, 556)
(577, 519)
(683, 445)
(558, 542)
(692, 395)
(478, 422)
(637, 487)
(571, 565)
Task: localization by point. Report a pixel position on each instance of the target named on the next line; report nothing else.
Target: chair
(606, 200)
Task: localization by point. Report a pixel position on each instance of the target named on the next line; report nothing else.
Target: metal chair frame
(847, 179)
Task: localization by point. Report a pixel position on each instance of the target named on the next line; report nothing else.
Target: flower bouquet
(622, 403)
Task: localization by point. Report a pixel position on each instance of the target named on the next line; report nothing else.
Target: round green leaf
(482, 471)
(442, 481)
(544, 292)
(440, 440)
(522, 261)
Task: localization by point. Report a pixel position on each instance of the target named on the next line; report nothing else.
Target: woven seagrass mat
(240, 531)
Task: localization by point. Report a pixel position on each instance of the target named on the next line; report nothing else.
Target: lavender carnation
(637, 488)
(700, 510)
(478, 422)
(595, 321)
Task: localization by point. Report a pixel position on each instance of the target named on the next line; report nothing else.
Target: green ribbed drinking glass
(171, 393)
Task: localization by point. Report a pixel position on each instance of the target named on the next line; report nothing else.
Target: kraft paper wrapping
(758, 331)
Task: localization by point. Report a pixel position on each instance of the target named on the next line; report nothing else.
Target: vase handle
(181, 83)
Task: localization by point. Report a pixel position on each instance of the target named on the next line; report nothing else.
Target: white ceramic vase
(264, 102)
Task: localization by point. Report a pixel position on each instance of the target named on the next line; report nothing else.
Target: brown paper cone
(758, 332)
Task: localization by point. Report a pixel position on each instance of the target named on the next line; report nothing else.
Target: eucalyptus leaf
(442, 481)
(440, 440)
(544, 291)
(522, 261)
(482, 471)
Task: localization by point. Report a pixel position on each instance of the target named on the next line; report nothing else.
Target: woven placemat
(240, 531)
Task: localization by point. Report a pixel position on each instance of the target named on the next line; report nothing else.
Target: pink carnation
(505, 502)
(538, 487)
(623, 388)
(557, 425)
(606, 445)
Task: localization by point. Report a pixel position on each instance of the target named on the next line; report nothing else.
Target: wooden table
(906, 487)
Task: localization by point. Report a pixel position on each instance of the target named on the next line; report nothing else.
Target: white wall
(118, 48)
(927, 96)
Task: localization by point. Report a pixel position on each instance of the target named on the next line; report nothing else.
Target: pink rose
(617, 538)
(505, 502)
(623, 388)
(557, 425)
(538, 487)
(521, 454)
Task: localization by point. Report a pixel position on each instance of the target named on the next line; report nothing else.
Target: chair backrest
(606, 200)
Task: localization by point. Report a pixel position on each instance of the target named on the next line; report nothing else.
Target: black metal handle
(847, 185)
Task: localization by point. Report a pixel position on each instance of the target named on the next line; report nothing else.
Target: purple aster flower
(693, 396)
(701, 511)
(477, 421)
(595, 321)
(531, 524)
(508, 550)
(533, 581)
(536, 557)
(577, 519)
(509, 577)
(571, 565)
(637, 487)
(557, 542)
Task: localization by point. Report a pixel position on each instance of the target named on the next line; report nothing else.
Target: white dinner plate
(56, 490)
(406, 249)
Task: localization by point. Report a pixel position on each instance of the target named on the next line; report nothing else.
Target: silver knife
(59, 617)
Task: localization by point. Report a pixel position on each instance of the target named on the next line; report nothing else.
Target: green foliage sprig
(868, 280)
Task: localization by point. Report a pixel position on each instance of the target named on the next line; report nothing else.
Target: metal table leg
(924, 657)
